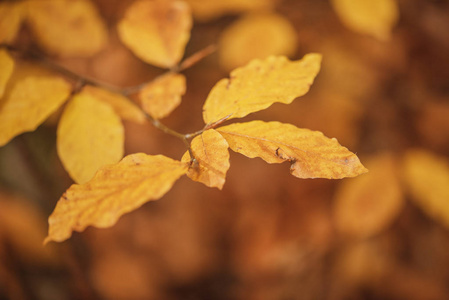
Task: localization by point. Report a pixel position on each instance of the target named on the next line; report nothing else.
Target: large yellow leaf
(257, 35)
(121, 105)
(66, 27)
(6, 68)
(367, 205)
(11, 16)
(157, 31)
(90, 135)
(372, 17)
(427, 179)
(160, 97)
(260, 84)
(211, 163)
(28, 101)
(115, 190)
(311, 154)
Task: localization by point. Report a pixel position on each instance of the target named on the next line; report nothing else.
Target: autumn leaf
(211, 153)
(11, 17)
(121, 105)
(260, 84)
(161, 96)
(90, 135)
(375, 18)
(28, 101)
(114, 190)
(311, 154)
(67, 28)
(257, 35)
(6, 69)
(367, 205)
(156, 31)
(427, 178)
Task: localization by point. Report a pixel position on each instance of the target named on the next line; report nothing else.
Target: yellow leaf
(372, 17)
(427, 178)
(6, 68)
(260, 84)
(115, 190)
(66, 27)
(28, 101)
(311, 154)
(90, 135)
(157, 31)
(210, 150)
(367, 205)
(11, 16)
(160, 97)
(121, 105)
(256, 36)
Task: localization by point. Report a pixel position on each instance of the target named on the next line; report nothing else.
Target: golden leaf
(372, 17)
(67, 28)
(311, 154)
(11, 17)
(28, 101)
(256, 36)
(160, 97)
(260, 84)
(157, 31)
(114, 190)
(121, 105)
(6, 69)
(90, 135)
(211, 153)
(427, 178)
(367, 205)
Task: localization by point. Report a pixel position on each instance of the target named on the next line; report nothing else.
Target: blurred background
(383, 92)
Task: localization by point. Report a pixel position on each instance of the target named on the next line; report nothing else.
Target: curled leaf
(115, 190)
(11, 17)
(211, 163)
(160, 97)
(311, 154)
(260, 84)
(90, 135)
(157, 31)
(6, 68)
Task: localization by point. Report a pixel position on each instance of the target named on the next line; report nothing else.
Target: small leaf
(372, 17)
(160, 97)
(121, 105)
(67, 28)
(115, 190)
(157, 31)
(90, 135)
(260, 84)
(257, 35)
(367, 205)
(211, 153)
(312, 155)
(11, 17)
(427, 178)
(28, 101)
(6, 68)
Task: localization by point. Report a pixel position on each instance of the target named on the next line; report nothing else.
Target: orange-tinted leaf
(115, 190)
(160, 97)
(210, 150)
(6, 68)
(90, 135)
(260, 84)
(367, 205)
(157, 31)
(256, 36)
(427, 179)
(28, 101)
(11, 16)
(311, 154)
(66, 27)
(375, 18)
(121, 105)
